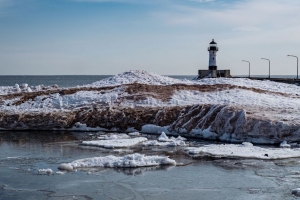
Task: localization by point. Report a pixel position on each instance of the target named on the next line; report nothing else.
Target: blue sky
(41, 37)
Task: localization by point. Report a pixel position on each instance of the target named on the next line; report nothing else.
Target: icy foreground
(128, 161)
(233, 109)
(245, 150)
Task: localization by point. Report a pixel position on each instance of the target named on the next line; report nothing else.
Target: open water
(22, 154)
(61, 81)
(74, 80)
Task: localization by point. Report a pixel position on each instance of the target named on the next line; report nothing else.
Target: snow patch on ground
(144, 77)
(127, 161)
(245, 150)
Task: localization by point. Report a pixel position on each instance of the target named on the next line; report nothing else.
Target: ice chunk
(296, 192)
(116, 136)
(29, 89)
(163, 138)
(116, 143)
(25, 85)
(17, 87)
(65, 166)
(59, 173)
(284, 144)
(245, 150)
(45, 171)
(131, 160)
(247, 144)
(134, 134)
(171, 143)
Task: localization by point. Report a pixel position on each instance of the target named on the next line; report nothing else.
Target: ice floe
(114, 136)
(245, 150)
(134, 134)
(45, 171)
(115, 143)
(164, 140)
(284, 144)
(127, 161)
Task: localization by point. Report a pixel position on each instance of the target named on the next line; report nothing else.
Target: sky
(168, 37)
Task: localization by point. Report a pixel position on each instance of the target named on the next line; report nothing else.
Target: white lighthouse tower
(212, 55)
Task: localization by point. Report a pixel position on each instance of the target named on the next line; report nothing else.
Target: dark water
(23, 153)
(61, 81)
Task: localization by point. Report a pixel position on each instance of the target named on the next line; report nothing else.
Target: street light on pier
(249, 65)
(297, 63)
(269, 66)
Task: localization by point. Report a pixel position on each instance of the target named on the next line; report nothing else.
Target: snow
(45, 171)
(115, 143)
(245, 150)
(163, 137)
(284, 144)
(134, 134)
(233, 97)
(127, 161)
(172, 143)
(138, 76)
(83, 127)
(114, 137)
(144, 77)
(290, 105)
(150, 128)
(164, 140)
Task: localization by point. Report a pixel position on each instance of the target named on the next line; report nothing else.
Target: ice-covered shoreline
(235, 110)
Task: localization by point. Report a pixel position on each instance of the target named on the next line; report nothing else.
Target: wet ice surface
(23, 154)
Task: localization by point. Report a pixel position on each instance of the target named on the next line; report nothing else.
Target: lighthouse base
(214, 73)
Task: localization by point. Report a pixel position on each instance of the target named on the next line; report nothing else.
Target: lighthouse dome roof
(213, 42)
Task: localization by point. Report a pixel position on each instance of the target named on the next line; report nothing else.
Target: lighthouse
(212, 55)
(212, 71)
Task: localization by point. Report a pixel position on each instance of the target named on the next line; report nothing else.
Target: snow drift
(233, 109)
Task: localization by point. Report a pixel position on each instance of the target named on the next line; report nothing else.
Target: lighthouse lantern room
(212, 55)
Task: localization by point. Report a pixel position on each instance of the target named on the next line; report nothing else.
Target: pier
(281, 80)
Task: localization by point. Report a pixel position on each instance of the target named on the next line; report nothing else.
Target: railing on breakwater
(281, 80)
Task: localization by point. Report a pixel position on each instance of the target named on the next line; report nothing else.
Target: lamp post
(297, 63)
(249, 65)
(269, 66)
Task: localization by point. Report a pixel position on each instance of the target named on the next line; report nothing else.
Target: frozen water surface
(26, 160)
